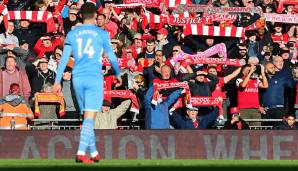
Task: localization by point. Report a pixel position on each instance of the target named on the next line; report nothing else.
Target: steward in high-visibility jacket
(14, 112)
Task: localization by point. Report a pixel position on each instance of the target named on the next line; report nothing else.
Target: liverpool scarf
(283, 18)
(206, 101)
(204, 30)
(168, 84)
(125, 94)
(49, 98)
(33, 16)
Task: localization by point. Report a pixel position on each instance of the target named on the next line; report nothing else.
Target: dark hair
(14, 84)
(8, 56)
(100, 14)
(159, 51)
(88, 10)
(150, 41)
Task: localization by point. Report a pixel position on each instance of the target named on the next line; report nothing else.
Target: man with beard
(273, 98)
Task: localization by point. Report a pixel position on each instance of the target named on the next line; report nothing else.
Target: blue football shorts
(89, 93)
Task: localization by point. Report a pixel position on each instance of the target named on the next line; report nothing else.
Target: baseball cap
(106, 103)
(23, 42)
(235, 111)
(163, 31)
(192, 108)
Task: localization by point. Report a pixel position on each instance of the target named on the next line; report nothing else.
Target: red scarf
(206, 101)
(33, 16)
(125, 94)
(124, 63)
(219, 61)
(169, 84)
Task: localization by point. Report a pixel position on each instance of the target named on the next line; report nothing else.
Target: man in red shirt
(219, 92)
(248, 91)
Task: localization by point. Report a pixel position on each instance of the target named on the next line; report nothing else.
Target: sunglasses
(175, 50)
(242, 49)
(114, 42)
(128, 52)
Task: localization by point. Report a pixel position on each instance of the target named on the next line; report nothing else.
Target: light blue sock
(92, 145)
(86, 133)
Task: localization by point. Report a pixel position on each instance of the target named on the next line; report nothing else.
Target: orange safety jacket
(14, 113)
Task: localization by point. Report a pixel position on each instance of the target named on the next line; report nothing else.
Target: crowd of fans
(262, 85)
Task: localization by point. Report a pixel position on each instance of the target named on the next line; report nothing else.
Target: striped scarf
(33, 16)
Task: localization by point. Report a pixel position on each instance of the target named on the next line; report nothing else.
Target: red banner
(169, 85)
(148, 3)
(121, 61)
(219, 17)
(282, 18)
(181, 21)
(220, 61)
(204, 101)
(215, 10)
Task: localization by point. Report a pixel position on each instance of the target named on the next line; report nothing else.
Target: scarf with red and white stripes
(148, 3)
(33, 16)
(194, 29)
(173, 3)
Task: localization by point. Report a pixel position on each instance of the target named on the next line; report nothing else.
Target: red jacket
(40, 50)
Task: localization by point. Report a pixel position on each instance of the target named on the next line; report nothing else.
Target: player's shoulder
(102, 31)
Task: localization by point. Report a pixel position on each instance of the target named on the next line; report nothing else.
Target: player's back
(87, 43)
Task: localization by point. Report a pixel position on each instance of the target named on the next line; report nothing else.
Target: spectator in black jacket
(71, 20)
(39, 74)
(202, 88)
(289, 124)
(191, 120)
(236, 122)
(24, 32)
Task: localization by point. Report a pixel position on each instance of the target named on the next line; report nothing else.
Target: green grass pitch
(150, 165)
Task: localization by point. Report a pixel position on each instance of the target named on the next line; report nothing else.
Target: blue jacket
(183, 122)
(274, 94)
(157, 117)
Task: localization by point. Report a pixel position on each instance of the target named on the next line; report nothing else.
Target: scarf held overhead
(49, 98)
(125, 94)
(194, 29)
(33, 16)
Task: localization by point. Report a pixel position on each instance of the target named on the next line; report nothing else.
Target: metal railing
(53, 124)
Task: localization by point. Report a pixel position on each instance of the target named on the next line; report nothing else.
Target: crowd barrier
(155, 144)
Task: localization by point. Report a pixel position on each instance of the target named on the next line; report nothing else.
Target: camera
(256, 73)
